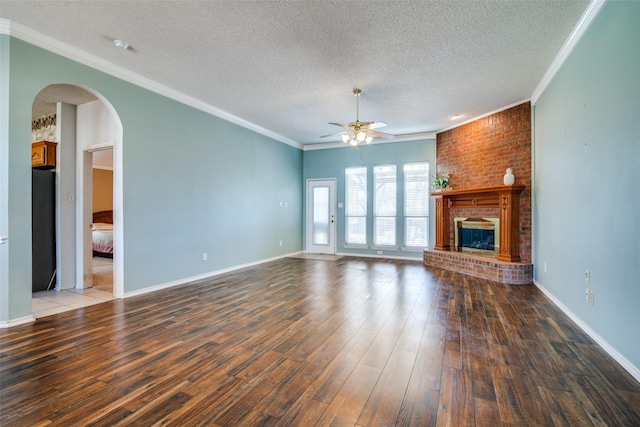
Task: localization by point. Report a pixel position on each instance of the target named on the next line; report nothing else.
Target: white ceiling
(289, 67)
(103, 159)
(45, 102)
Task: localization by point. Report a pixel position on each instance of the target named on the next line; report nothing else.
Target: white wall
(96, 131)
(66, 197)
(95, 125)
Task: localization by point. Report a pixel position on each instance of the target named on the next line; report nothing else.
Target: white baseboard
(238, 267)
(201, 276)
(15, 322)
(626, 364)
(404, 258)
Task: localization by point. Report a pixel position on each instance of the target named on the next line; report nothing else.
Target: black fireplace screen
(476, 238)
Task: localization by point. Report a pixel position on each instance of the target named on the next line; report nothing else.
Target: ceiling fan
(359, 132)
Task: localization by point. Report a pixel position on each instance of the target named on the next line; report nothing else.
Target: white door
(321, 216)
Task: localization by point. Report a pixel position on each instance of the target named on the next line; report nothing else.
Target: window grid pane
(385, 230)
(416, 230)
(357, 230)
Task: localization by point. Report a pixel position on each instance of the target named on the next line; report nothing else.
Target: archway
(87, 122)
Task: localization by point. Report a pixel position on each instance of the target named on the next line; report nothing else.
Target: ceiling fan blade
(354, 128)
(332, 134)
(338, 124)
(380, 134)
(376, 125)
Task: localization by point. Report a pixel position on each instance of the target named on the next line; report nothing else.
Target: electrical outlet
(379, 252)
(591, 297)
(280, 242)
(544, 265)
(587, 276)
(204, 256)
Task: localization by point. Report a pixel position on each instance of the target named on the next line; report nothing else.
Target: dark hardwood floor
(353, 342)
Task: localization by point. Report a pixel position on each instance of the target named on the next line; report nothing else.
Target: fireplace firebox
(480, 236)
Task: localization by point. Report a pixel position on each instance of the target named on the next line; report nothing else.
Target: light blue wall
(587, 179)
(331, 163)
(4, 172)
(193, 183)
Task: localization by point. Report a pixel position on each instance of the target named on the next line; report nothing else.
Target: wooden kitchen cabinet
(43, 155)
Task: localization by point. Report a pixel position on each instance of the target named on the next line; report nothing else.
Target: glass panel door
(320, 216)
(321, 224)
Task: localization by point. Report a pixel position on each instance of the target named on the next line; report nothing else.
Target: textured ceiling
(45, 102)
(290, 66)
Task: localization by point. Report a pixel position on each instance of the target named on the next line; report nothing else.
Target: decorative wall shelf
(504, 197)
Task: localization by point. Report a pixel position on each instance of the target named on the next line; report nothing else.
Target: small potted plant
(440, 181)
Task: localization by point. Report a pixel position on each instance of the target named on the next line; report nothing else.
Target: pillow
(101, 226)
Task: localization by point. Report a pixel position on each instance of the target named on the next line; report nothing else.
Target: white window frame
(385, 209)
(359, 210)
(425, 202)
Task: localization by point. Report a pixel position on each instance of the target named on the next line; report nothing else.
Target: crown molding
(5, 26)
(485, 115)
(45, 42)
(580, 29)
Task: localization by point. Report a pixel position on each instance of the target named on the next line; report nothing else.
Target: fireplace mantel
(504, 197)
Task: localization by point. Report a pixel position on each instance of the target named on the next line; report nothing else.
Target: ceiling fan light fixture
(358, 132)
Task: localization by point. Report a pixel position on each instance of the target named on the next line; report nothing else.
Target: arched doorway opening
(85, 123)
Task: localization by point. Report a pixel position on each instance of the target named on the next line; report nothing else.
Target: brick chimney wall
(477, 154)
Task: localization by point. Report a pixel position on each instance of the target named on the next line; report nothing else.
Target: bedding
(102, 234)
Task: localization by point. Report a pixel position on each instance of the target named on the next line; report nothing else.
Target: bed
(102, 234)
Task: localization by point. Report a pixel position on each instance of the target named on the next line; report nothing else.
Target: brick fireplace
(476, 155)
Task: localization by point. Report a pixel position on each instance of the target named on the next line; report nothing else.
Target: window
(321, 215)
(391, 229)
(356, 206)
(416, 204)
(384, 200)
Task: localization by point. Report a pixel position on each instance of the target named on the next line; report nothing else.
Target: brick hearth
(511, 273)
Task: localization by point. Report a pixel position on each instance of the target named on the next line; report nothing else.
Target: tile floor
(47, 303)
